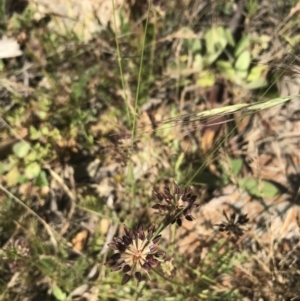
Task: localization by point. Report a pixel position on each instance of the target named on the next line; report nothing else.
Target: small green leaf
(256, 84)
(206, 79)
(58, 293)
(12, 177)
(41, 179)
(221, 42)
(10, 164)
(229, 37)
(243, 61)
(41, 114)
(242, 74)
(55, 134)
(209, 41)
(256, 72)
(21, 149)
(215, 40)
(226, 69)
(210, 58)
(2, 168)
(32, 170)
(34, 133)
(258, 188)
(198, 62)
(242, 45)
(224, 176)
(22, 179)
(45, 131)
(236, 166)
(32, 156)
(224, 64)
(195, 45)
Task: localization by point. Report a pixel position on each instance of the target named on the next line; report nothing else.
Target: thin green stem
(133, 132)
(139, 78)
(169, 218)
(166, 278)
(152, 45)
(120, 63)
(51, 232)
(212, 153)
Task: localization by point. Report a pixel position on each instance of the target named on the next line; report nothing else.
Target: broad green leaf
(21, 149)
(243, 61)
(41, 179)
(242, 45)
(58, 293)
(32, 170)
(206, 79)
(258, 188)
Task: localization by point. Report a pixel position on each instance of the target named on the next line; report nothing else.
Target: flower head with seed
(233, 223)
(136, 252)
(176, 203)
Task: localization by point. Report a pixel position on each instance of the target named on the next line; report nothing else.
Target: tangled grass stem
(50, 231)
